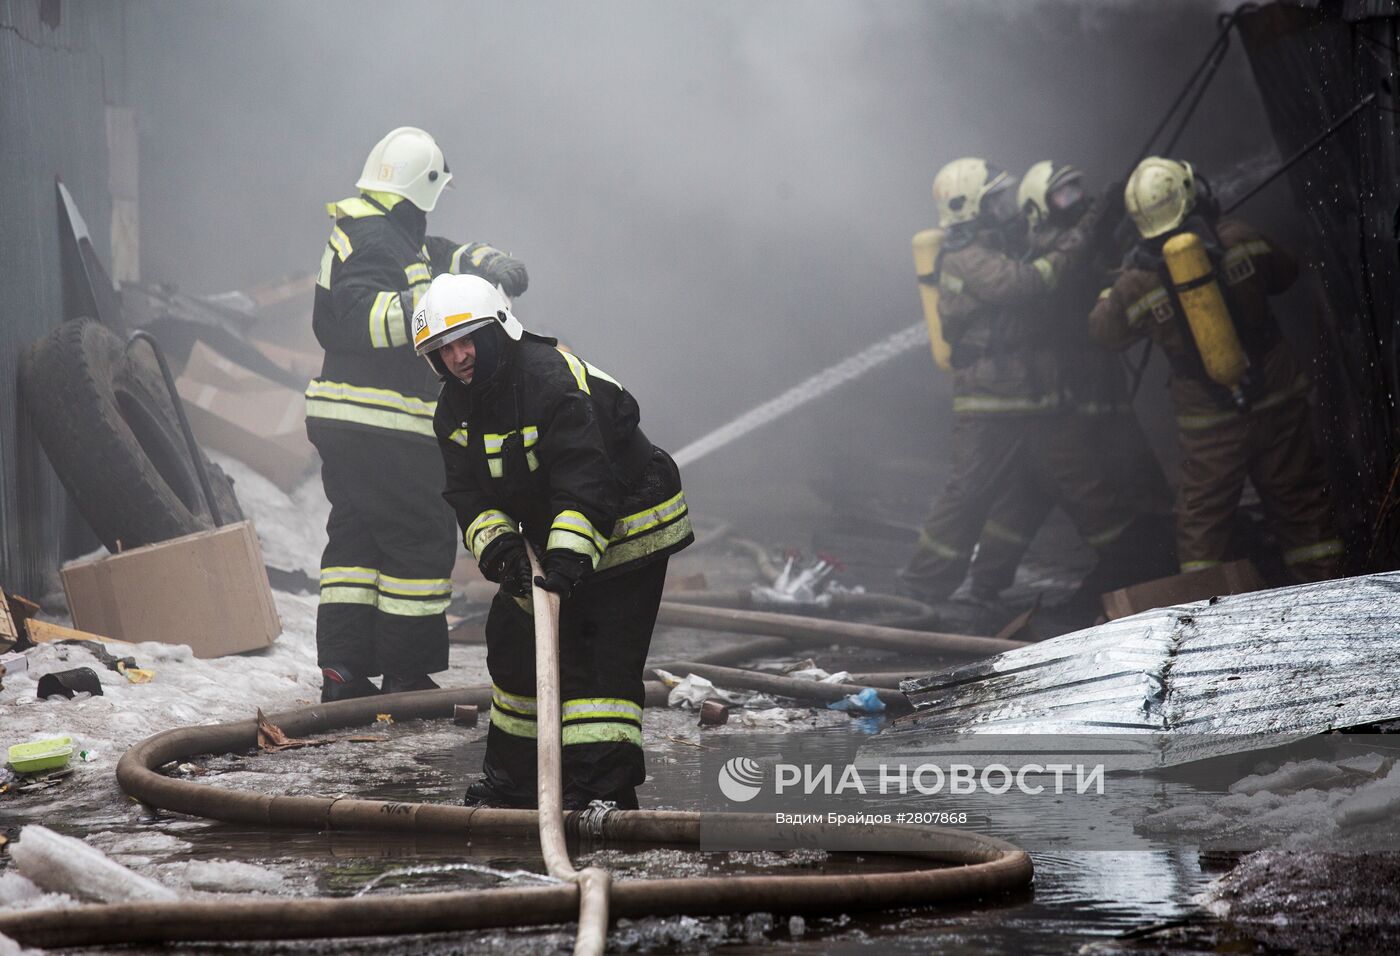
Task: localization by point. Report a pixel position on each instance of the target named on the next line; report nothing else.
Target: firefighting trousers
(385, 573)
(1024, 505)
(1274, 448)
(1057, 452)
(604, 634)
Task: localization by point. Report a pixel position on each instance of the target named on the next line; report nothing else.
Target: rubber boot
(483, 793)
(340, 683)
(400, 683)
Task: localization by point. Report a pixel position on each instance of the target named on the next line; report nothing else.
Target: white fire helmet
(408, 163)
(455, 306)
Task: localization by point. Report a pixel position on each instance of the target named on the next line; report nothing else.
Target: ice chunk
(136, 844)
(770, 719)
(15, 890)
(62, 864)
(1375, 801)
(1289, 778)
(821, 676)
(9, 947)
(227, 876)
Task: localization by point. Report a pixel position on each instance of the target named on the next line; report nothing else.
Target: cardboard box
(293, 360)
(1235, 577)
(238, 412)
(208, 590)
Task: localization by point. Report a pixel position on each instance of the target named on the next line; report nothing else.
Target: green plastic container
(37, 755)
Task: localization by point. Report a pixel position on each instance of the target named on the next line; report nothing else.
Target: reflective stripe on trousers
(406, 597)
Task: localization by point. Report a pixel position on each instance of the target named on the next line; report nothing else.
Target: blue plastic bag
(866, 702)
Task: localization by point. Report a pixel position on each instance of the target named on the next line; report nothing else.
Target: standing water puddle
(1078, 897)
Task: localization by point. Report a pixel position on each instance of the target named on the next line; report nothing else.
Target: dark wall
(1314, 66)
(55, 79)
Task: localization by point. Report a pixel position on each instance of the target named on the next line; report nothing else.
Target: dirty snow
(219, 876)
(1302, 804)
(187, 690)
(1312, 901)
(291, 527)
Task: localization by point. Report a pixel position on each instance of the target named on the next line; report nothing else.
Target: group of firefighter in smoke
(1030, 298)
(518, 443)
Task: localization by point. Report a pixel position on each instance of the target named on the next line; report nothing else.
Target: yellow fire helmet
(455, 306)
(1160, 195)
(1046, 188)
(960, 187)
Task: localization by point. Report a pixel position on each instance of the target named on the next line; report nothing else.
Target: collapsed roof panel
(1232, 673)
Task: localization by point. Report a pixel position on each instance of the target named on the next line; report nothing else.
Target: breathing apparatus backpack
(928, 244)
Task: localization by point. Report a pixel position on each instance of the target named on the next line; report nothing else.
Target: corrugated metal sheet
(1212, 676)
(54, 85)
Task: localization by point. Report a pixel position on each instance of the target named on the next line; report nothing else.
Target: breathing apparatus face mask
(1067, 202)
(999, 206)
(1002, 217)
(1207, 204)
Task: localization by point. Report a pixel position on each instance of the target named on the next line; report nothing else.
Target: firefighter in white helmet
(544, 450)
(1008, 408)
(384, 573)
(1053, 196)
(1198, 286)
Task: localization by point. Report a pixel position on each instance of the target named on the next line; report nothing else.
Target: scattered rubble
(1313, 902)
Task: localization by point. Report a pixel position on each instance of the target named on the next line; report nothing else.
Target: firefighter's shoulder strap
(928, 262)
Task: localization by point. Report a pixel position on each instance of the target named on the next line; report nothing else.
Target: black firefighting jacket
(373, 272)
(551, 446)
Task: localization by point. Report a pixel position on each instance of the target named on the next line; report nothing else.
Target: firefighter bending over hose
(385, 571)
(540, 446)
(1199, 287)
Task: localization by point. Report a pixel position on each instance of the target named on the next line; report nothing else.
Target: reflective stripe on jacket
(550, 445)
(371, 277)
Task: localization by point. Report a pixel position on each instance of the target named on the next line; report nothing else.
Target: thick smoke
(715, 200)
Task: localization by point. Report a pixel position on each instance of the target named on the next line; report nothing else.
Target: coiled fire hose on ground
(959, 864)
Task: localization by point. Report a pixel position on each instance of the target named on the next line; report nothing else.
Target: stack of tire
(109, 427)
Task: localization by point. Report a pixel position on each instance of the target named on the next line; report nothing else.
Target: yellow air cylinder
(926, 246)
(1198, 290)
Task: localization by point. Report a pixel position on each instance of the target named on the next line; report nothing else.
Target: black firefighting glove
(509, 273)
(505, 562)
(1076, 242)
(562, 571)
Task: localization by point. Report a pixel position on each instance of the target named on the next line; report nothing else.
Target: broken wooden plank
(43, 632)
(1234, 577)
(9, 631)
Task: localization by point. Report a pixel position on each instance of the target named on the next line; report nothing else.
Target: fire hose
(797, 628)
(593, 882)
(949, 864)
